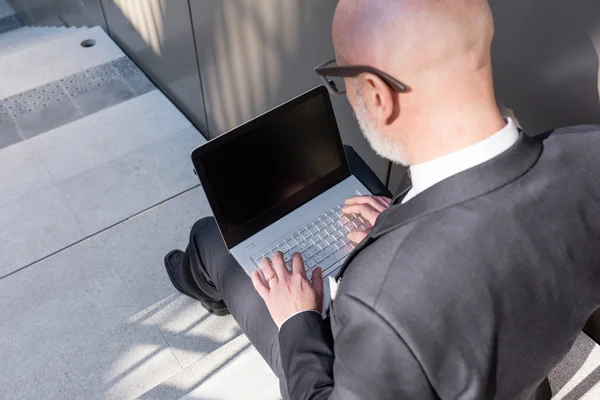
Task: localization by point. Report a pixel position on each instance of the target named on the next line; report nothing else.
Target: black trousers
(209, 271)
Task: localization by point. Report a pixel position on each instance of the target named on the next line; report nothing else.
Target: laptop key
(340, 243)
(328, 262)
(313, 229)
(302, 247)
(294, 250)
(309, 253)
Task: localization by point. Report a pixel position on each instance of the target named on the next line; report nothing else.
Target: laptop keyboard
(322, 242)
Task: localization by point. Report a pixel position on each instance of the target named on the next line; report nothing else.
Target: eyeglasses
(329, 70)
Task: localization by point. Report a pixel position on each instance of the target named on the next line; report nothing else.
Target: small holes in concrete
(88, 43)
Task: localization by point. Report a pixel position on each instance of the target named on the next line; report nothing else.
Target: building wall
(545, 58)
(546, 61)
(158, 36)
(224, 62)
(257, 54)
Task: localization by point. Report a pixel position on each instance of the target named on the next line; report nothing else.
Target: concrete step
(23, 38)
(90, 174)
(54, 59)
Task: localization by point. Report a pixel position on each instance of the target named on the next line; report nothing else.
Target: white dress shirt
(429, 173)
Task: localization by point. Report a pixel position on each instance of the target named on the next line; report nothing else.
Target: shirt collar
(427, 174)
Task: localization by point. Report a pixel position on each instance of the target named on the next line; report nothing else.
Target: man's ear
(382, 100)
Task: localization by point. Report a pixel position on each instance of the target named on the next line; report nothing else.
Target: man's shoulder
(427, 255)
(570, 130)
(586, 137)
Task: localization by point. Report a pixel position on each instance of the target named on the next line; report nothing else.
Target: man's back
(486, 279)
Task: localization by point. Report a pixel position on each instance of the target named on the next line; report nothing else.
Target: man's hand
(285, 292)
(369, 207)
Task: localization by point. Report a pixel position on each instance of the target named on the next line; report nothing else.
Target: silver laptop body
(278, 183)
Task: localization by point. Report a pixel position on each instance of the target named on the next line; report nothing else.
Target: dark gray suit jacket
(474, 289)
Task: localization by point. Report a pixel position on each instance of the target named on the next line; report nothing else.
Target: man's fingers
(365, 210)
(317, 282)
(261, 288)
(357, 236)
(385, 200)
(267, 268)
(298, 264)
(279, 265)
(374, 202)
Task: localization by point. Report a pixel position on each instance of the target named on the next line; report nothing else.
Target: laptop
(279, 182)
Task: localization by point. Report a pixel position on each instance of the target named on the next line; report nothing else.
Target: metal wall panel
(545, 58)
(546, 61)
(158, 36)
(257, 54)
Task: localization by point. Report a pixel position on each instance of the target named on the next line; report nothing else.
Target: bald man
(476, 279)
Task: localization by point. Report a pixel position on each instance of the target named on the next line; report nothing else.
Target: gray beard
(381, 144)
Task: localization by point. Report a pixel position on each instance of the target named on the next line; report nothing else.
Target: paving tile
(578, 372)
(8, 23)
(190, 330)
(122, 363)
(55, 59)
(572, 362)
(42, 109)
(35, 99)
(120, 188)
(103, 96)
(136, 247)
(25, 37)
(140, 83)
(195, 375)
(21, 172)
(56, 305)
(97, 88)
(9, 134)
(98, 138)
(34, 227)
(136, 79)
(253, 379)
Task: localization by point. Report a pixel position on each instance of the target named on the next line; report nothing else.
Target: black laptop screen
(265, 169)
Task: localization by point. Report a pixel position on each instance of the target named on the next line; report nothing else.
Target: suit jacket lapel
(474, 182)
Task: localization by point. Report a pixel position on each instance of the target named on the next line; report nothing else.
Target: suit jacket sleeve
(366, 360)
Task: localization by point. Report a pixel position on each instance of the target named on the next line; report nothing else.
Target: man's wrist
(293, 315)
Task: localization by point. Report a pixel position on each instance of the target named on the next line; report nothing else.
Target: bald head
(441, 50)
(409, 37)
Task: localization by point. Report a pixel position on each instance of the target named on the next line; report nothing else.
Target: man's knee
(205, 230)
